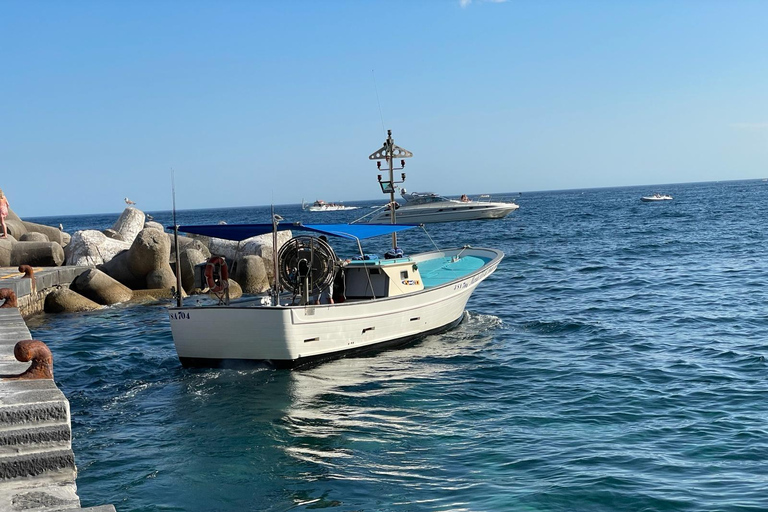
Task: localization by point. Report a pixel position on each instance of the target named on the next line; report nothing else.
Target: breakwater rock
(31, 244)
(251, 273)
(136, 254)
(92, 248)
(129, 224)
(100, 288)
(40, 254)
(64, 300)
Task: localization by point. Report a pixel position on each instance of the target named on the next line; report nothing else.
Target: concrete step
(37, 463)
(55, 491)
(27, 402)
(32, 438)
(39, 414)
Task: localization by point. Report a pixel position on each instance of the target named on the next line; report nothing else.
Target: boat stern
(232, 333)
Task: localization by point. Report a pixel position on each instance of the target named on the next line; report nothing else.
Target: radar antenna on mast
(388, 152)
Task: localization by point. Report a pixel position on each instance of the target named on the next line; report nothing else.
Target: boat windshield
(423, 198)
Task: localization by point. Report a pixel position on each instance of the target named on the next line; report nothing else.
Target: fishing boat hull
(449, 212)
(287, 336)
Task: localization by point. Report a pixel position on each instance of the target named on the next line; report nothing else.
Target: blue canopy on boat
(239, 232)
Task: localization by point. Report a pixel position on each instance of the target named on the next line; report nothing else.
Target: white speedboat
(322, 206)
(383, 301)
(426, 207)
(656, 197)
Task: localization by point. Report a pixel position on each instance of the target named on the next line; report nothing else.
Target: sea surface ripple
(615, 361)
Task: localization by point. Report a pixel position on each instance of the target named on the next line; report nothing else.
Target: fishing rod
(176, 243)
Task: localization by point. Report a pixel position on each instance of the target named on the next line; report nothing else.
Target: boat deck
(435, 272)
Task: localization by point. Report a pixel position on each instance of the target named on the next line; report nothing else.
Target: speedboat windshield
(423, 198)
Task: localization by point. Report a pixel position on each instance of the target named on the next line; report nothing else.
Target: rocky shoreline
(135, 258)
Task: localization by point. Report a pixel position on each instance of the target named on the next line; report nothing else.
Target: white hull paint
(290, 335)
(330, 208)
(449, 212)
(322, 206)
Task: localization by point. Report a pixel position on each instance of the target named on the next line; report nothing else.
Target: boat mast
(275, 267)
(388, 152)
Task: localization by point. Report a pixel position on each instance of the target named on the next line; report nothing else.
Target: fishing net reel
(306, 266)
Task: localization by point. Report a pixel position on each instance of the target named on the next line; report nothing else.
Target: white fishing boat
(375, 301)
(382, 301)
(427, 207)
(656, 197)
(322, 206)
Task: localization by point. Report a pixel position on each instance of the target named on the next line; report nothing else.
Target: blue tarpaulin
(240, 232)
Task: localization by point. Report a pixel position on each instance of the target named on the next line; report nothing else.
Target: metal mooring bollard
(41, 357)
(9, 296)
(29, 272)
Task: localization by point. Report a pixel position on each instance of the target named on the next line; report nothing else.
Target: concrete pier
(37, 465)
(30, 293)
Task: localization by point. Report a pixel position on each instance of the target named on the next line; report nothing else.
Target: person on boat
(339, 285)
(464, 198)
(325, 296)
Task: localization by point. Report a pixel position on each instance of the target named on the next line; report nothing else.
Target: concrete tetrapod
(154, 225)
(100, 288)
(6, 245)
(251, 273)
(15, 228)
(150, 251)
(161, 278)
(189, 257)
(53, 234)
(235, 291)
(33, 237)
(38, 254)
(129, 224)
(117, 268)
(90, 248)
(187, 243)
(114, 235)
(64, 300)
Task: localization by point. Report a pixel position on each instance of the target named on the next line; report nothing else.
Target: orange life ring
(217, 274)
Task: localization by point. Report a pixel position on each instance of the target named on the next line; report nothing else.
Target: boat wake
(480, 322)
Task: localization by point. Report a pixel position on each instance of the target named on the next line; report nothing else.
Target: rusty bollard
(9, 296)
(30, 273)
(41, 357)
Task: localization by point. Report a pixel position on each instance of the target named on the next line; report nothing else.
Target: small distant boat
(656, 197)
(322, 206)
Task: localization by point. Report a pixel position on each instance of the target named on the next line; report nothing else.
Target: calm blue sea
(615, 361)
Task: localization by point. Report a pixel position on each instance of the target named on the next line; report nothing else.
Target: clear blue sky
(254, 102)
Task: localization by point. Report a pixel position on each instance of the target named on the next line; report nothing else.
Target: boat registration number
(179, 315)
